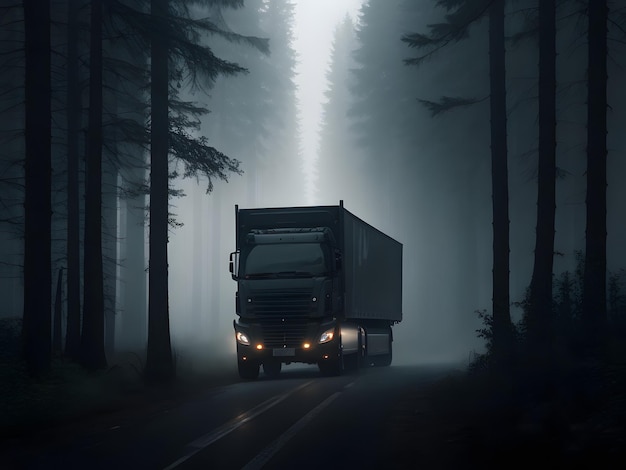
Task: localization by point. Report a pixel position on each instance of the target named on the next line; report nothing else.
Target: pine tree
(594, 286)
(461, 16)
(336, 134)
(92, 353)
(173, 37)
(73, 115)
(540, 309)
(36, 327)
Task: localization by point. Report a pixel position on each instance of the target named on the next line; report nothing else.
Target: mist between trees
(449, 138)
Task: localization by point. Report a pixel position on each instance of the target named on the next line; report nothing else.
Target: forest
(486, 135)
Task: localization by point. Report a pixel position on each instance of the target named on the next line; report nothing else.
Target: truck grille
(283, 316)
(280, 303)
(289, 333)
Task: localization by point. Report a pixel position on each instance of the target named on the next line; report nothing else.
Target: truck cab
(287, 298)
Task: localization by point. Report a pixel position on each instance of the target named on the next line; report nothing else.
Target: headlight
(327, 336)
(242, 338)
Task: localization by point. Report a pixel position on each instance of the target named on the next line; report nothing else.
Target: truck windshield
(286, 259)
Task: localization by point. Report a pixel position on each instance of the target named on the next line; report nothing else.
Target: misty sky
(315, 23)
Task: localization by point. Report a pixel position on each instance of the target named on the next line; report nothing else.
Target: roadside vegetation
(69, 393)
(562, 404)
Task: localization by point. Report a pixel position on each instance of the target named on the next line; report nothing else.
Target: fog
(339, 117)
(424, 181)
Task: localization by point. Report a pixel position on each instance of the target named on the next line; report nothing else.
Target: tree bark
(72, 336)
(594, 279)
(58, 312)
(92, 339)
(539, 319)
(109, 244)
(36, 327)
(499, 181)
(110, 204)
(159, 363)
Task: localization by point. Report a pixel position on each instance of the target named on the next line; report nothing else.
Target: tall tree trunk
(499, 182)
(72, 336)
(159, 362)
(594, 280)
(109, 244)
(539, 320)
(58, 312)
(110, 204)
(36, 327)
(92, 339)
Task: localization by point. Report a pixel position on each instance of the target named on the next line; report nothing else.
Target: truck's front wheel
(332, 365)
(272, 369)
(248, 370)
(352, 362)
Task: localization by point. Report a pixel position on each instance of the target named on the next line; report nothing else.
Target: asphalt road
(299, 420)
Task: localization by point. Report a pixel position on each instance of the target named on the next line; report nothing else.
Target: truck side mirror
(233, 265)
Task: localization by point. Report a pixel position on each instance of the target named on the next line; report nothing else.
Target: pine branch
(197, 156)
(206, 25)
(448, 103)
(450, 4)
(454, 29)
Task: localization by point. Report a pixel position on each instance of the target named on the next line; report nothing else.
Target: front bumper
(259, 352)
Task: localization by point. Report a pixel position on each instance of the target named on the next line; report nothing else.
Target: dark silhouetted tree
(74, 120)
(461, 15)
(57, 341)
(540, 309)
(174, 38)
(36, 327)
(502, 338)
(92, 338)
(594, 285)
(159, 364)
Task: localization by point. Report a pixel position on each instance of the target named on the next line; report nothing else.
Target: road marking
(204, 441)
(266, 454)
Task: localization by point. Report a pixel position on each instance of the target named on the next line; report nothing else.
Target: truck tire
(385, 359)
(334, 366)
(353, 362)
(330, 368)
(248, 370)
(272, 369)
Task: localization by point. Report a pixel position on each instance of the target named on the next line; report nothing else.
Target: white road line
(204, 441)
(266, 454)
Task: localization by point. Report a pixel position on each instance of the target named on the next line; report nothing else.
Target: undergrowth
(553, 398)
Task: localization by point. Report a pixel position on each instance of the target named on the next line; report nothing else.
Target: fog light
(306, 345)
(259, 346)
(325, 356)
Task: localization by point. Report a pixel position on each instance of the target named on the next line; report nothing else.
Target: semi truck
(315, 285)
